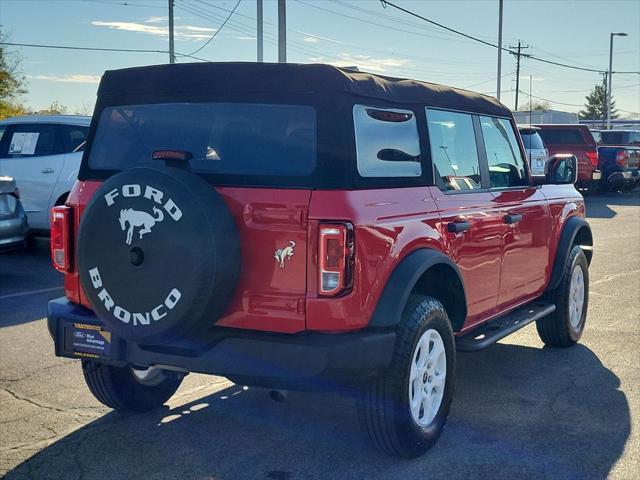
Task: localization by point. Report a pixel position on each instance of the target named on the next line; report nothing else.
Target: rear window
(620, 138)
(532, 140)
(222, 138)
(562, 136)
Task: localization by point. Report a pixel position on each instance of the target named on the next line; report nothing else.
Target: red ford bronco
(308, 227)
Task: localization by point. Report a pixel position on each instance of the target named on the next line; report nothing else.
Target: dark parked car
(13, 221)
(619, 157)
(537, 153)
(310, 227)
(576, 140)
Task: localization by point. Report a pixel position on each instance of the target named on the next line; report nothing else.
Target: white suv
(42, 153)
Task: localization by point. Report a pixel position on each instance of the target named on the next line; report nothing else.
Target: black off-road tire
(556, 329)
(118, 387)
(383, 403)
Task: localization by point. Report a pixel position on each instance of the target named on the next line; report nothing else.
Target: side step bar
(489, 333)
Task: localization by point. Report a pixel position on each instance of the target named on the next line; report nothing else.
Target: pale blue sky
(345, 32)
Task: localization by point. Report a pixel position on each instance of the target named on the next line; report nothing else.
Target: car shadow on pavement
(519, 412)
(599, 205)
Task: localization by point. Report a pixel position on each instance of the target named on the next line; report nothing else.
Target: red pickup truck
(309, 227)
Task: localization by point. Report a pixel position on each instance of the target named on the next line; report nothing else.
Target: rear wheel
(405, 410)
(564, 327)
(130, 389)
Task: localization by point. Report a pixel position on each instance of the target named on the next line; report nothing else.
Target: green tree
(56, 108)
(12, 83)
(534, 105)
(595, 108)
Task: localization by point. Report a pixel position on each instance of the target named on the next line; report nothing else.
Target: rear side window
(34, 140)
(222, 138)
(562, 136)
(454, 150)
(532, 140)
(387, 142)
(506, 165)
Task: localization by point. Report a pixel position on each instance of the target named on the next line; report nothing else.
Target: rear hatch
(573, 139)
(234, 146)
(8, 198)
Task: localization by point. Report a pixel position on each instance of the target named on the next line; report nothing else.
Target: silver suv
(537, 153)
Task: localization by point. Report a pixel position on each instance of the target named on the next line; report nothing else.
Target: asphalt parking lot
(520, 410)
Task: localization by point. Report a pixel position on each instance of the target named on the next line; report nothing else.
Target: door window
(454, 150)
(33, 140)
(387, 142)
(506, 165)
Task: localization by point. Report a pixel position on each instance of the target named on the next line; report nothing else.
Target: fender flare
(402, 281)
(570, 231)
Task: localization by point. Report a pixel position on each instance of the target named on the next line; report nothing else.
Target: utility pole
(518, 55)
(282, 32)
(499, 50)
(260, 35)
(172, 55)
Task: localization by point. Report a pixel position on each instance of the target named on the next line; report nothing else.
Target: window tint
(532, 140)
(223, 138)
(506, 165)
(387, 142)
(453, 149)
(562, 136)
(34, 140)
(74, 136)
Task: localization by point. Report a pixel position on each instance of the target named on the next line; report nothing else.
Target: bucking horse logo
(136, 218)
(285, 253)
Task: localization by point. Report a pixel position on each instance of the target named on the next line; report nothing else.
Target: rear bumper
(308, 361)
(624, 176)
(13, 230)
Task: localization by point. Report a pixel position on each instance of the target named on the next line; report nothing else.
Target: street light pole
(259, 29)
(282, 32)
(620, 34)
(172, 54)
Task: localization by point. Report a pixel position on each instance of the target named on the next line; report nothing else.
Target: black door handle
(457, 227)
(511, 219)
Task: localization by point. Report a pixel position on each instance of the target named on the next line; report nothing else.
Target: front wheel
(564, 327)
(128, 388)
(404, 411)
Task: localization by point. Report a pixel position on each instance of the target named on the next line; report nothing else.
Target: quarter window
(454, 150)
(387, 142)
(506, 165)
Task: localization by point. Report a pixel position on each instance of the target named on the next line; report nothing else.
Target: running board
(489, 333)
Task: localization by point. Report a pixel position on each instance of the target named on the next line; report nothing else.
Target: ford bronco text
(309, 227)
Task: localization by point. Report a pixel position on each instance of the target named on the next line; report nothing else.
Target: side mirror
(561, 169)
(394, 155)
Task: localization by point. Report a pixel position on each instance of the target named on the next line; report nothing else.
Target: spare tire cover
(158, 254)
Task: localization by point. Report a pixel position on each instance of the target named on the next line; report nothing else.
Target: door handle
(457, 227)
(47, 170)
(510, 219)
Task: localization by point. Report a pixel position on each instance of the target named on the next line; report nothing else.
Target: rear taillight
(593, 157)
(621, 158)
(60, 238)
(336, 257)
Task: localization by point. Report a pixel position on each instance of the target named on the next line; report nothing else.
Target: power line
(218, 30)
(490, 44)
(70, 47)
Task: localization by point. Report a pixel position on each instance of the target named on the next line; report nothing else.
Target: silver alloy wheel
(148, 376)
(576, 297)
(427, 377)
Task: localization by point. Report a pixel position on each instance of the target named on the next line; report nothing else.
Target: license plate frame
(88, 340)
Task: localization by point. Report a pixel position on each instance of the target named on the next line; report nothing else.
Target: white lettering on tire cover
(125, 316)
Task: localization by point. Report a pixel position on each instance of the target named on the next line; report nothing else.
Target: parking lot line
(30, 292)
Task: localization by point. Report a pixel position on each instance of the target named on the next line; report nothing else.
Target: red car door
(471, 221)
(524, 211)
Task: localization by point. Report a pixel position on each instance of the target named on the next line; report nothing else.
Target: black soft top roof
(164, 82)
